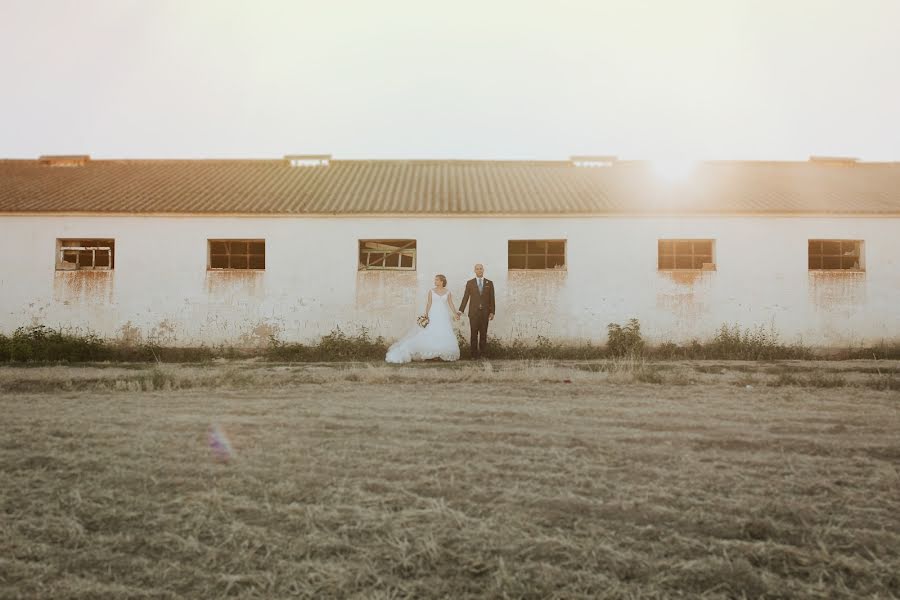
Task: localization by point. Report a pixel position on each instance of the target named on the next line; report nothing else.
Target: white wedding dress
(437, 340)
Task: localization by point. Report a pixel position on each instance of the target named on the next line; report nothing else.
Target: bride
(436, 339)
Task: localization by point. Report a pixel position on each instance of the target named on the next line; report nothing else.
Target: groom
(481, 310)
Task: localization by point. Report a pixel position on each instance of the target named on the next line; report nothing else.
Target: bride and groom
(437, 338)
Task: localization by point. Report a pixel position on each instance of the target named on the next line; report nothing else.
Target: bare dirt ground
(511, 480)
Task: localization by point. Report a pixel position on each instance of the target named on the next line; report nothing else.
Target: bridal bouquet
(423, 321)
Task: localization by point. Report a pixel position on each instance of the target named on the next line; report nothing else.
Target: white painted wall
(160, 289)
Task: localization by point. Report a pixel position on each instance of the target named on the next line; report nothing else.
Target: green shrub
(625, 341)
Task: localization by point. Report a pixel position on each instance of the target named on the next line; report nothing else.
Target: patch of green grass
(45, 344)
(815, 379)
(821, 379)
(884, 382)
(336, 346)
(784, 379)
(746, 379)
(649, 376)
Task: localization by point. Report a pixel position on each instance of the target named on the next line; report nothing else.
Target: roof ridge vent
(307, 160)
(590, 160)
(834, 160)
(64, 160)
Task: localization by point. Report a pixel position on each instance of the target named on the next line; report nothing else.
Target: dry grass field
(511, 480)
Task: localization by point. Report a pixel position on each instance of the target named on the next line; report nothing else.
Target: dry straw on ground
(619, 479)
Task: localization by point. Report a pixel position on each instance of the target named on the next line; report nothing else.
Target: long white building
(188, 252)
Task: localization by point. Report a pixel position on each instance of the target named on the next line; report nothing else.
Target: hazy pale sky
(756, 79)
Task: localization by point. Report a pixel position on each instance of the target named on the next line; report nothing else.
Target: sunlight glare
(673, 170)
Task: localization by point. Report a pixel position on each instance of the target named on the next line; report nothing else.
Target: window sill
(686, 270)
(829, 271)
(537, 270)
(386, 269)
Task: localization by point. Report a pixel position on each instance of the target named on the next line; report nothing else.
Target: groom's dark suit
(481, 305)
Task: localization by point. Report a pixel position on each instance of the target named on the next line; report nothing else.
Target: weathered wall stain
(533, 302)
(243, 284)
(38, 313)
(837, 290)
(683, 294)
(380, 290)
(259, 335)
(83, 287)
(386, 297)
(685, 277)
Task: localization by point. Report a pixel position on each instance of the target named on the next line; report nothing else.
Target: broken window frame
(677, 259)
(401, 248)
(848, 252)
(533, 254)
(234, 258)
(80, 247)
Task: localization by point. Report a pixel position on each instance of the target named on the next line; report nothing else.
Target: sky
(487, 79)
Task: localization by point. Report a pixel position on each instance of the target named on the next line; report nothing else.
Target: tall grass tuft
(732, 342)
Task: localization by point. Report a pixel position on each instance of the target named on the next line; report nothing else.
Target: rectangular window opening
(236, 255)
(85, 254)
(836, 255)
(387, 255)
(537, 255)
(685, 255)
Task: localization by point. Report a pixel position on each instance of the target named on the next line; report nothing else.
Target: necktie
(480, 285)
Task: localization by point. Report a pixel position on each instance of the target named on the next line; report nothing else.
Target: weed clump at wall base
(44, 344)
(543, 348)
(625, 341)
(731, 342)
(40, 343)
(336, 346)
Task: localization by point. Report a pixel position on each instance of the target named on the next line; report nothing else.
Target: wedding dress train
(437, 340)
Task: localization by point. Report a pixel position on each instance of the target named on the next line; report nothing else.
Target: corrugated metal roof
(445, 187)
